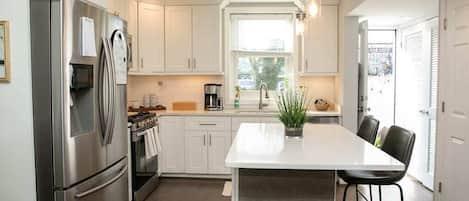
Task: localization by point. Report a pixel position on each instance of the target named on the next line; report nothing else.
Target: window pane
(264, 35)
(251, 70)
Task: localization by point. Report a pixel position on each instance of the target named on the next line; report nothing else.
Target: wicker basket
(322, 106)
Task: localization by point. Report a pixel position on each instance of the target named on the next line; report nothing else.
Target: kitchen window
(261, 50)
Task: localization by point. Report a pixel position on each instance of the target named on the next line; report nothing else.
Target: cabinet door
(206, 39)
(178, 46)
(196, 151)
(320, 42)
(132, 24)
(219, 144)
(171, 159)
(151, 37)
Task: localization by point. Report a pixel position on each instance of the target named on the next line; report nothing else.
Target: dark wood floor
(211, 189)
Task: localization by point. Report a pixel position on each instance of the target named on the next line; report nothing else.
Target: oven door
(144, 169)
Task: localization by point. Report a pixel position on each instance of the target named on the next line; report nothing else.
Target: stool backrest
(399, 143)
(368, 129)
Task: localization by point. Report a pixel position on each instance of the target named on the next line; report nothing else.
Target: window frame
(250, 98)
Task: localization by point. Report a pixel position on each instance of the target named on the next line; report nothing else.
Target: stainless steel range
(144, 165)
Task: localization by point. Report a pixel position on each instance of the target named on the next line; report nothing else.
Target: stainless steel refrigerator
(79, 75)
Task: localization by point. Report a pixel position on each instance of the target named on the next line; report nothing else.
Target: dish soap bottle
(237, 96)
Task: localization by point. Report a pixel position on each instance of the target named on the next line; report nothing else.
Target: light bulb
(300, 27)
(313, 9)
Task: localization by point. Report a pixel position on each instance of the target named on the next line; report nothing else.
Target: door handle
(210, 139)
(306, 65)
(189, 63)
(106, 96)
(202, 124)
(141, 62)
(194, 64)
(425, 112)
(204, 141)
(112, 99)
(103, 185)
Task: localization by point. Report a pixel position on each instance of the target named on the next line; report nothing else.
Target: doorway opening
(402, 85)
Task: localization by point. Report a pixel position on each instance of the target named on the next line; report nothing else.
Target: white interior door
(363, 71)
(453, 120)
(414, 96)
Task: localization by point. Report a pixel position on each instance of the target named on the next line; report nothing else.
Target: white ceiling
(392, 13)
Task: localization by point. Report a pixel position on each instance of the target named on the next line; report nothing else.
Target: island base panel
(282, 185)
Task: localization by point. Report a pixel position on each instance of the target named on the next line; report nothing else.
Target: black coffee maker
(213, 97)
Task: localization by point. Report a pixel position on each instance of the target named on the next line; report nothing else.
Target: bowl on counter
(321, 105)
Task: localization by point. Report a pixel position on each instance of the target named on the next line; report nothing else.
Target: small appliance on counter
(144, 159)
(213, 97)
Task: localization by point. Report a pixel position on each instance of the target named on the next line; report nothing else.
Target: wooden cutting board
(184, 106)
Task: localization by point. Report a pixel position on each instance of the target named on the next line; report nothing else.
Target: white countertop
(323, 147)
(233, 112)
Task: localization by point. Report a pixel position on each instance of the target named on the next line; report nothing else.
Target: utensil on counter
(184, 106)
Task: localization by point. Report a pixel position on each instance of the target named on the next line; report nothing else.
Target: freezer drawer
(110, 185)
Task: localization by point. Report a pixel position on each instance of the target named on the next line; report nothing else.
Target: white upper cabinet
(206, 39)
(193, 39)
(320, 42)
(132, 29)
(150, 38)
(178, 44)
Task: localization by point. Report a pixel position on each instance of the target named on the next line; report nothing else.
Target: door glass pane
(381, 75)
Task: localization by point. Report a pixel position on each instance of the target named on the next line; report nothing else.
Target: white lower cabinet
(171, 159)
(196, 151)
(219, 144)
(206, 152)
(194, 145)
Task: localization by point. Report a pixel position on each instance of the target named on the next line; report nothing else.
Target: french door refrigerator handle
(113, 87)
(105, 118)
(103, 185)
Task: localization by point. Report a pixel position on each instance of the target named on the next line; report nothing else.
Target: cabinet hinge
(445, 23)
(443, 105)
(439, 187)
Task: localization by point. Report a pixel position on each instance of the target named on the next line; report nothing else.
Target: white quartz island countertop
(323, 147)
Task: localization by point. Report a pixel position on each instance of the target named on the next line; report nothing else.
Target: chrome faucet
(263, 85)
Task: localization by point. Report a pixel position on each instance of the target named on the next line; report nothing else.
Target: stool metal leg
(379, 187)
(356, 192)
(400, 191)
(345, 192)
(371, 193)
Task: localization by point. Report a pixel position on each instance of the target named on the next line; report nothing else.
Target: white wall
(17, 176)
(347, 81)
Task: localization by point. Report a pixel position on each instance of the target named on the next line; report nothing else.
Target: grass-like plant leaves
(292, 106)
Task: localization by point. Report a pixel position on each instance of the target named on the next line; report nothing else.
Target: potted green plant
(292, 106)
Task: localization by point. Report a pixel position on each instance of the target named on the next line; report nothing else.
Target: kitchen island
(266, 165)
